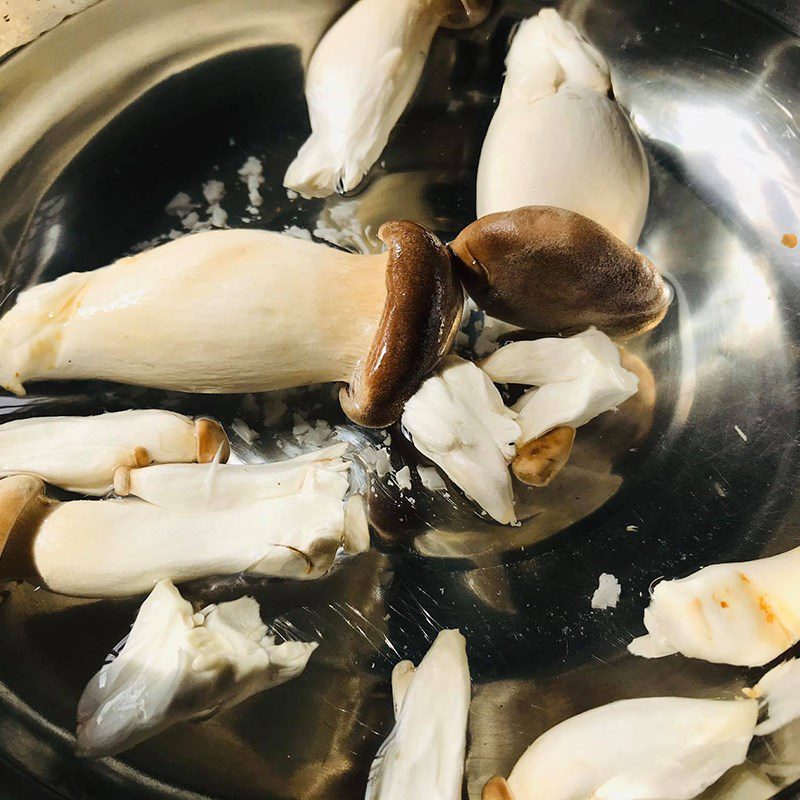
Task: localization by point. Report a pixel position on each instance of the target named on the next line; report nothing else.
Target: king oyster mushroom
(360, 80)
(779, 692)
(575, 378)
(292, 313)
(551, 270)
(659, 748)
(114, 548)
(177, 666)
(458, 420)
(745, 613)
(81, 454)
(423, 756)
(558, 137)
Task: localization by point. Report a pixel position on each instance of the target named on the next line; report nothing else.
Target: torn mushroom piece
(114, 548)
(293, 313)
(660, 748)
(423, 756)
(550, 270)
(459, 421)
(360, 80)
(177, 665)
(745, 613)
(779, 692)
(81, 454)
(575, 379)
(558, 137)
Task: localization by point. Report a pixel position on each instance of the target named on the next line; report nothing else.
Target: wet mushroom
(81, 454)
(117, 548)
(558, 136)
(180, 666)
(241, 311)
(550, 270)
(360, 80)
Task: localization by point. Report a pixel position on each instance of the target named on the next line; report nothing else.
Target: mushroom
(81, 454)
(177, 666)
(779, 692)
(423, 756)
(116, 548)
(660, 748)
(550, 270)
(558, 136)
(458, 420)
(360, 80)
(576, 379)
(744, 613)
(290, 312)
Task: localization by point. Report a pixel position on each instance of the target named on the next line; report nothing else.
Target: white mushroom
(779, 691)
(177, 666)
(655, 748)
(81, 454)
(112, 548)
(576, 379)
(744, 613)
(423, 756)
(558, 137)
(458, 420)
(359, 81)
(291, 312)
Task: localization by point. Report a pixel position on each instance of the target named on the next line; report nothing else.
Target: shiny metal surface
(104, 119)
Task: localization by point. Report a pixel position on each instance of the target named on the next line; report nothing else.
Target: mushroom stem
(115, 548)
(539, 460)
(291, 313)
(360, 80)
(81, 454)
(558, 137)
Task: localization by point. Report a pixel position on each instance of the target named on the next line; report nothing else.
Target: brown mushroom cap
(419, 322)
(538, 461)
(23, 503)
(496, 788)
(551, 270)
(211, 439)
(467, 13)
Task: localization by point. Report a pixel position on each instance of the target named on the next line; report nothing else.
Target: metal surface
(104, 119)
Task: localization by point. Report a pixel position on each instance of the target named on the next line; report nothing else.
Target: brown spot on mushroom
(538, 461)
(789, 240)
(211, 439)
(496, 788)
(419, 322)
(551, 270)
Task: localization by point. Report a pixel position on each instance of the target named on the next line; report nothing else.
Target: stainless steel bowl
(105, 118)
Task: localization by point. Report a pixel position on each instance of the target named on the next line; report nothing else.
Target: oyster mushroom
(115, 548)
(660, 748)
(576, 379)
(360, 80)
(744, 613)
(779, 692)
(178, 665)
(550, 270)
(458, 420)
(558, 137)
(291, 312)
(423, 756)
(81, 454)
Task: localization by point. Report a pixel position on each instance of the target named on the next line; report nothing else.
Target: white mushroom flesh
(745, 613)
(177, 665)
(122, 547)
(423, 756)
(81, 454)
(779, 691)
(558, 139)
(186, 487)
(657, 748)
(358, 83)
(292, 313)
(458, 420)
(576, 379)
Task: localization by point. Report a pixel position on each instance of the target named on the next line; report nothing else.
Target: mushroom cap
(538, 461)
(496, 788)
(419, 322)
(22, 503)
(552, 270)
(467, 13)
